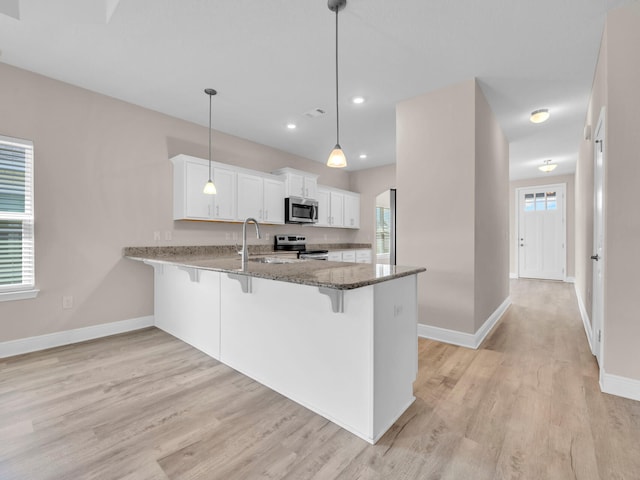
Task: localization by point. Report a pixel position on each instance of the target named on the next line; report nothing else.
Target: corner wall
(452, 217)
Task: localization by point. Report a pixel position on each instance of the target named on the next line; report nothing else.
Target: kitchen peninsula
(338, 338)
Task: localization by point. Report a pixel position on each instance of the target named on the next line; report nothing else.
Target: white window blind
(16, 215)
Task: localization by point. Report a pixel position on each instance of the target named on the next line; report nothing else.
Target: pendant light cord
(210, 136)
(337, 107)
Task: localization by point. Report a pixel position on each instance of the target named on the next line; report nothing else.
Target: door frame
(516, 238)
(597, 320)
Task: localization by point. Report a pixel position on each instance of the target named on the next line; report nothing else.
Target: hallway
(144, 405)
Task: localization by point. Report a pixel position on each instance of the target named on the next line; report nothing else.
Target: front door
(541, 232)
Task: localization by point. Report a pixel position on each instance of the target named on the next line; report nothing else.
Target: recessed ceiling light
(357, 100)
(539, 116)
(363, 156)
(291, 126)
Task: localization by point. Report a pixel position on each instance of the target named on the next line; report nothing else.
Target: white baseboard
(570, 279)
(620, 386)
(513, 275)
(585, 318)
(67, 337)
(462, 339)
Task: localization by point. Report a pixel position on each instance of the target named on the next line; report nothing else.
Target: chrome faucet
(244, 254)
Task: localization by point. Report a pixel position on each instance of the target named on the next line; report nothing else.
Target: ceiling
(273, 60)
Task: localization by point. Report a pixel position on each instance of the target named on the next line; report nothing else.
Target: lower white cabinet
(354, 256)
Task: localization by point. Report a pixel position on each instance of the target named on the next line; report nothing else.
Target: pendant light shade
(209, 187)
(337, 158)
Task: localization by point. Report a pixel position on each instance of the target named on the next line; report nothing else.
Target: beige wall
(103, 182)
(370, 183)
(491, 212)
(438, 157)
(622, 182)
(570, 218)
(616, 88)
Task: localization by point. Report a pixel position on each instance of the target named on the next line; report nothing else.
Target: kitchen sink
(273, 260)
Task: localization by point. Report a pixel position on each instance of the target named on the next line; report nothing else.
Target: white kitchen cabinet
(336, 207)
(324, 208)
(335, 256)
(224, 201)
(363, 256)
(261, 198)
(274, 192)
(298, 183)
(349, 256)
(352, 210)
(250, 196)
(189, 200)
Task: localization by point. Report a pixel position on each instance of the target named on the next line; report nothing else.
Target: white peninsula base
(355, 368)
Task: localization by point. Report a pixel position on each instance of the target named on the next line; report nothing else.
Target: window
(16, 219)
(540, 201)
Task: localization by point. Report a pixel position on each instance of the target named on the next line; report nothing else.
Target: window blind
(16, 214)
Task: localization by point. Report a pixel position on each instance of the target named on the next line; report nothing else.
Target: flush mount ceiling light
(539, 116)
(363, 156)
(210, 188)
(548, 166)
(337, 158)
(357, 100)
(291, 126)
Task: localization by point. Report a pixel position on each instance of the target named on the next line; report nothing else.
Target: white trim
(585, 318)
(570, 279)
(468, 340)
(621, 386)
(67, 337)
(19, 295)
(513, 276)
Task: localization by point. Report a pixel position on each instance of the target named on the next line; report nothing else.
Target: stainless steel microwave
(300, 210)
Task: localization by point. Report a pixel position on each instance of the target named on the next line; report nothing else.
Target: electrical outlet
(227, 236)
(67, 302)
(235, 235)
(156, 236)
(167, 235)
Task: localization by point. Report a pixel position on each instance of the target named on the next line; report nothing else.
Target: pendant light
(210, 188)
(337, 158)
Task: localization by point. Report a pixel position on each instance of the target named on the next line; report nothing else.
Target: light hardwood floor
(143, 405)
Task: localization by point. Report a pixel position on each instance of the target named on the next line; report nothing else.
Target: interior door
(541, 232)
(597, 299)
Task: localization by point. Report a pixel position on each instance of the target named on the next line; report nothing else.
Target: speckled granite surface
(338, 275)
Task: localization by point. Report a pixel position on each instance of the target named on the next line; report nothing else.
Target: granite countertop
(337, 275)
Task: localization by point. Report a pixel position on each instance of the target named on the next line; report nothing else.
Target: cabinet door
(336, 201)
(351, 211)
(363, 256)
(335, 256)
(296, 185)
(273, 201)
(311, 187)
(250, 193)
(197, 203)
(324, 208)
(225, 200)
(349, 256)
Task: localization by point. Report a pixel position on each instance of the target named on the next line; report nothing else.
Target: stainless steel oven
(300, 210)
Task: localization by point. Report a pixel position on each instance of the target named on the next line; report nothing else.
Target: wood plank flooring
(143, 405)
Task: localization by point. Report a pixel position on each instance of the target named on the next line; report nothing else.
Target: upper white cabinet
(261, 198)
(338, 208)
(241, 193)
(298, 183)
(352, 210)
